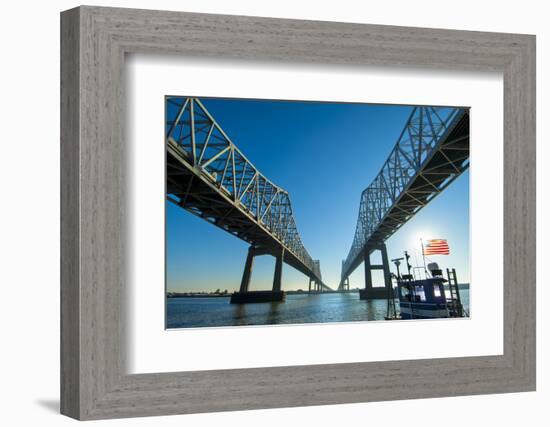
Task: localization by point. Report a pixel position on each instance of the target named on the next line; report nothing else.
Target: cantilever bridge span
(431, 152)
(210, 177)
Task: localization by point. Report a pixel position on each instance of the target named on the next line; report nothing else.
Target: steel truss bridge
(210, 177)
(431, 152)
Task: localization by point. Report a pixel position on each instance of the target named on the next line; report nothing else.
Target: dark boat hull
(422, 310)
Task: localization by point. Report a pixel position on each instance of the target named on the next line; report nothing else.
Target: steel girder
(431, 152)
(210, 177)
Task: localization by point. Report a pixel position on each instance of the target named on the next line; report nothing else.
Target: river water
(298, 308)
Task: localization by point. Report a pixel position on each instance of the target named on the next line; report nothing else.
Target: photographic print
(295, 212)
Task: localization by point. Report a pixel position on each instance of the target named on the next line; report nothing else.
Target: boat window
(419, 293)
(437, 291)
(405, 293)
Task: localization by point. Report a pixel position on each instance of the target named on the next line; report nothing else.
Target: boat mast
(424, 258)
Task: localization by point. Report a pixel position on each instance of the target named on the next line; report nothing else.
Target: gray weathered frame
(94, 42)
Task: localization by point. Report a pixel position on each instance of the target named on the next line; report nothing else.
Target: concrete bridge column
(370, 292)
(346, 284)
(245, 281)
(368, 271)
(309, 288)
(245, 295)
(277, 276)
(387, 275)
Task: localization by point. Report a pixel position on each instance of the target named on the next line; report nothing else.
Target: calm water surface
(298, 308)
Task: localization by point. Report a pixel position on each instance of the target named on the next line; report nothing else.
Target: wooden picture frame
(94, 382)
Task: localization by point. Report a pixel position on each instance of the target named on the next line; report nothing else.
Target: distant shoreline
(461, 286)
(196, 295)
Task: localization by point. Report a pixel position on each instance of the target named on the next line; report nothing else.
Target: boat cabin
(425, 298)
(422, 299)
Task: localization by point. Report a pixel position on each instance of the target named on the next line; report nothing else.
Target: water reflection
(297, 309)
(273, 313)
(370, 309)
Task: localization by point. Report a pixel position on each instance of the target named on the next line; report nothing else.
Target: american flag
(436, 247)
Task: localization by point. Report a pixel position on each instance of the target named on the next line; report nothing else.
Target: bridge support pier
(277, 276)
(376, 292)
(345, 286)
(317, 287)
(245, 295)
(247, 273)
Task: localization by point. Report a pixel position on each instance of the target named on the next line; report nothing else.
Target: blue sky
(324, 155)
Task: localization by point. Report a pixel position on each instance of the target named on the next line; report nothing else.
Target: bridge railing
(423, 131)
(208, 149)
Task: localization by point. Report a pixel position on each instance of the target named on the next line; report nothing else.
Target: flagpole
(423, 257)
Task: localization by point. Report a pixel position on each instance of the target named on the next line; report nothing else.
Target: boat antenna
(409, 266)
(397, 262)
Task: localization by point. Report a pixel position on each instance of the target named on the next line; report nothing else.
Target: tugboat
(426, 298)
